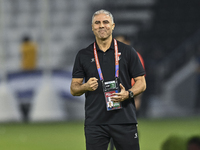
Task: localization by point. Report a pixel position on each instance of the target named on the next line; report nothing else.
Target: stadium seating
(53, 25)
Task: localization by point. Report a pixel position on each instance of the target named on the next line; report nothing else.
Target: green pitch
(70, 135)
(154, 132)
(54, 136)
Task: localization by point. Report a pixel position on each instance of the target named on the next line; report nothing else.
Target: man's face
(102, 26)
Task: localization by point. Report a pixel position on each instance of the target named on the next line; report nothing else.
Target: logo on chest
(92, 60)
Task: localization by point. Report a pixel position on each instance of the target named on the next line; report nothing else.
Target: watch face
(130, 94)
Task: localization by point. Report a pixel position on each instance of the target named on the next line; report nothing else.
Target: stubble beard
(104, 36)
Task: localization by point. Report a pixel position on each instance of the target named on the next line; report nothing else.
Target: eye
(106, 22)
(97, 22)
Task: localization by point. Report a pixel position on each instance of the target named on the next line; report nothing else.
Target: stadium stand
(54, 25)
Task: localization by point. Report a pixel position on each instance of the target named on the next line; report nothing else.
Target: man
(28, 63)
(107, 67)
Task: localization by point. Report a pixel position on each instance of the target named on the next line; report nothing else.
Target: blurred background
(39, 40)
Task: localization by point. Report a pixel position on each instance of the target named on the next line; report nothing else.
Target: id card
(110, 104)
(111, 87)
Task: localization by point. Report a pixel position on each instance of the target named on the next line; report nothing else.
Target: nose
(101, 25)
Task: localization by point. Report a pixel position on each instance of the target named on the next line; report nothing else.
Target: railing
(177, 59)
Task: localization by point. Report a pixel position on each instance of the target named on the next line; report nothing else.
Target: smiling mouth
(102, 30)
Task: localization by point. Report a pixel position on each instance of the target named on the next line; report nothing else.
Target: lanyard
(116, 61)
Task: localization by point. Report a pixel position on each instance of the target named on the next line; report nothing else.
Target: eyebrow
(105, 21)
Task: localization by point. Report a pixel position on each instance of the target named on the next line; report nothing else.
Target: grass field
(70, 135)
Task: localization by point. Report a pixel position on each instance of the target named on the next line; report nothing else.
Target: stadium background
(165, 32)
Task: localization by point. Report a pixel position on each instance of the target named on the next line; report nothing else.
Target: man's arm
(78, 88)
(137, 88)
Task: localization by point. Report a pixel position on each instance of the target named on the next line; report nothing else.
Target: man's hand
(92, 84)
(119, 97)
(77, 87)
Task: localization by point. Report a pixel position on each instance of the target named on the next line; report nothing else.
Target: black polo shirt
(129, 67)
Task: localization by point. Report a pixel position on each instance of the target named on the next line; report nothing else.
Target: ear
(92, 27)
(113, 26)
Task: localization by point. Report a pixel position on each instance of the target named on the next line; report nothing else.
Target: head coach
(103, 72)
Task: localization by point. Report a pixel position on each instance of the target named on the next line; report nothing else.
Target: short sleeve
(78, 71)
(135, 66)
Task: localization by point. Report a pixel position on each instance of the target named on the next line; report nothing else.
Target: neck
(104, 45)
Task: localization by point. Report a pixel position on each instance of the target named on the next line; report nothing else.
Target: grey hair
(102, 11)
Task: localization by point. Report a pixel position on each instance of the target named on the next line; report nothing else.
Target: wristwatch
(131, 95)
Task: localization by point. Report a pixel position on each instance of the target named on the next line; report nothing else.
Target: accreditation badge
(109, 88)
